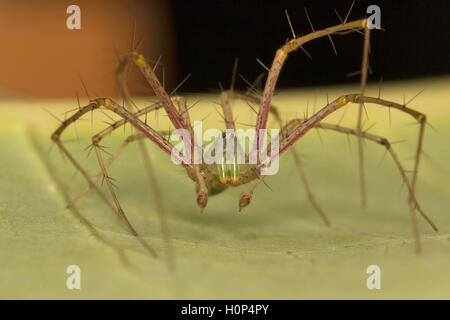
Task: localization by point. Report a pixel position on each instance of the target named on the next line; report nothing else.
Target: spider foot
(245, 200)
(202, 200)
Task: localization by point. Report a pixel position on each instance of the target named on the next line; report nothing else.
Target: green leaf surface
(277, 248)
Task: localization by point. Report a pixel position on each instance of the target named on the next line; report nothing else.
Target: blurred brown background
(40, 57)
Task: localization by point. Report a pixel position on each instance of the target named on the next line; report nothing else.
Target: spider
(213, 179)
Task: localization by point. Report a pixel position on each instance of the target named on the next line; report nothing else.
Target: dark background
(210, 34)
(41, 58)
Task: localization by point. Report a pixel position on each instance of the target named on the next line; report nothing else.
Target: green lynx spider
(207, 179)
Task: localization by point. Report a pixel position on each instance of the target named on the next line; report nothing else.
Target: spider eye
(228, 173)
(228, 166)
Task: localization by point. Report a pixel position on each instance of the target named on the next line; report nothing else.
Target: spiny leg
(387, 144)
(149, 75)
(358, 99)
(148, 132)
(226, 109)
(384, 142)
(225, 103)
(121, 214)
(418, 116)
(337, 104)
(160, 210)
(56, 139)
(105, 132)
(301, 171)
(364, 65)
(184, 113)
(179, 119)
(279, 60)
(300, 128)
(293, 124)
(159, 140)
(296, 43)
(153, 80)
(202, 190)
(61, 186)
(94, 105)
(99, 175)
(311, 198)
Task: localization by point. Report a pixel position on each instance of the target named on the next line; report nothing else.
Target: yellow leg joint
(342, 102)
(420, 117)
(283, 55)
(364, 23)
(107, 104)
(297, 124)
(139, 61)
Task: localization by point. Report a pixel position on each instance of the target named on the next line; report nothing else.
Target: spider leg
(56, 139)
(142, 127)
(419, 116)
(163, 144)
(153, 80)
(293, 125)
(120, 212)
(225, 97)
(279, 60)
(342, 101)
(248, 193)
(202, 190)
(309, 123)
(357, 98)
(296, 129)
(84, 221)
(309, 193)
(105, 132)
(94, 105)
(278, 63)
(156, 193)
(384, 142)
(364, 65)
(139, 125)
(179, 119)
(109, 162)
